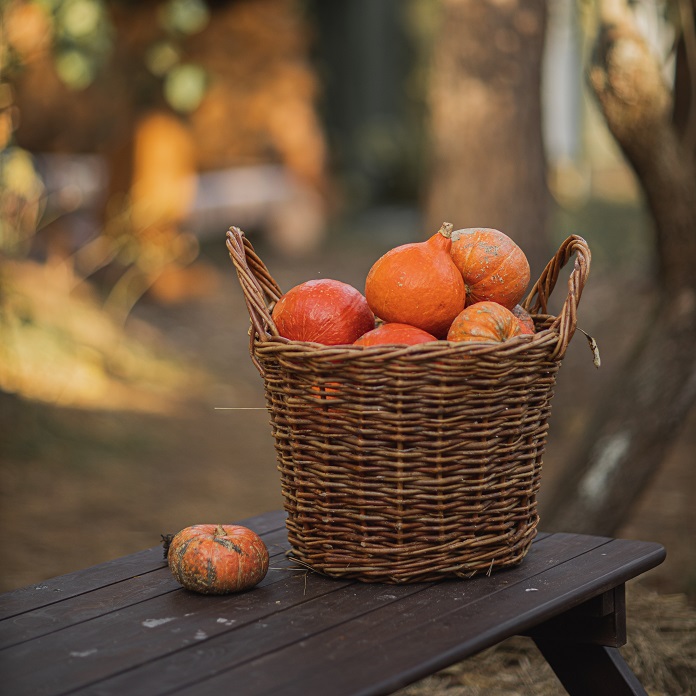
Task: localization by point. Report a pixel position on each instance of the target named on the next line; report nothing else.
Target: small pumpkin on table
(216, 558)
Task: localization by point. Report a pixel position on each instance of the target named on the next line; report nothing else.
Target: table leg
(581, 645)
(590, 670)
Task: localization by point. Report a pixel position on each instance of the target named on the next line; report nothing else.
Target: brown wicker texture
(410, 464)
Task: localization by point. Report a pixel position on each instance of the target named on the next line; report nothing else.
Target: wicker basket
(410, 464)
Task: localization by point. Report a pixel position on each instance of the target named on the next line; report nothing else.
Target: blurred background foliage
(131, 133)
(113, 113)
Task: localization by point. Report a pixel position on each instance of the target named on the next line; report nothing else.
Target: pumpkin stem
(220, 531)
(166, 543)
(446, 230)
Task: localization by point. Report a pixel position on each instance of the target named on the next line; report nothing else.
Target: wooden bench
(126, 628)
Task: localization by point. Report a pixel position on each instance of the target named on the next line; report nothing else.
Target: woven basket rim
(428, 346)
(340, 354)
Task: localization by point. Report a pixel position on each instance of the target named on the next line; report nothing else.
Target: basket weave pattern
(410, 464)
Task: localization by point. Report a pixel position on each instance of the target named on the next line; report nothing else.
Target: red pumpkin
(217, 558)
(494, 268)
(525, 319)
(399, 334)
(418, 284)
(323, 311)
(486, 322)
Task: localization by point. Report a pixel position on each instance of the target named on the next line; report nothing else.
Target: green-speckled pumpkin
(484, 322)
(217, 558)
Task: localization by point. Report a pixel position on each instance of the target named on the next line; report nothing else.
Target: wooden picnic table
(126, 627)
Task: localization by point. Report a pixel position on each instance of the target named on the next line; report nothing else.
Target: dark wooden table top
(127, 628)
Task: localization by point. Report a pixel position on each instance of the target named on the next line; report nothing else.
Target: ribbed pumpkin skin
(217, 558)
(398, 334)
(417, 284)
(486, 322)
(323, 311)
(493, 266)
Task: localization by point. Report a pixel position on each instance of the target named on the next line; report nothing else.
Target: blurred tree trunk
(685, 77)
(488, 163)
(639, 420)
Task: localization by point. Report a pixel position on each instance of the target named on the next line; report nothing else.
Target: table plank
(119, 595)
(400, 644)
(72, 584)
(300, 621)
(272, 632)
(92, 650)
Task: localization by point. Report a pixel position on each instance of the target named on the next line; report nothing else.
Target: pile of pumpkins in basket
(462, 285)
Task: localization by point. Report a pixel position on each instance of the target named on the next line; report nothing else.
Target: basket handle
(258, 285)
(537, 300)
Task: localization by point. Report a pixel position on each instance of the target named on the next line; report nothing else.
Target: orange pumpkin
(525, 319)
(399, 334)
(323, 311)
(418, 284)
(493, 267)
(217, 558)
(486, 322)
